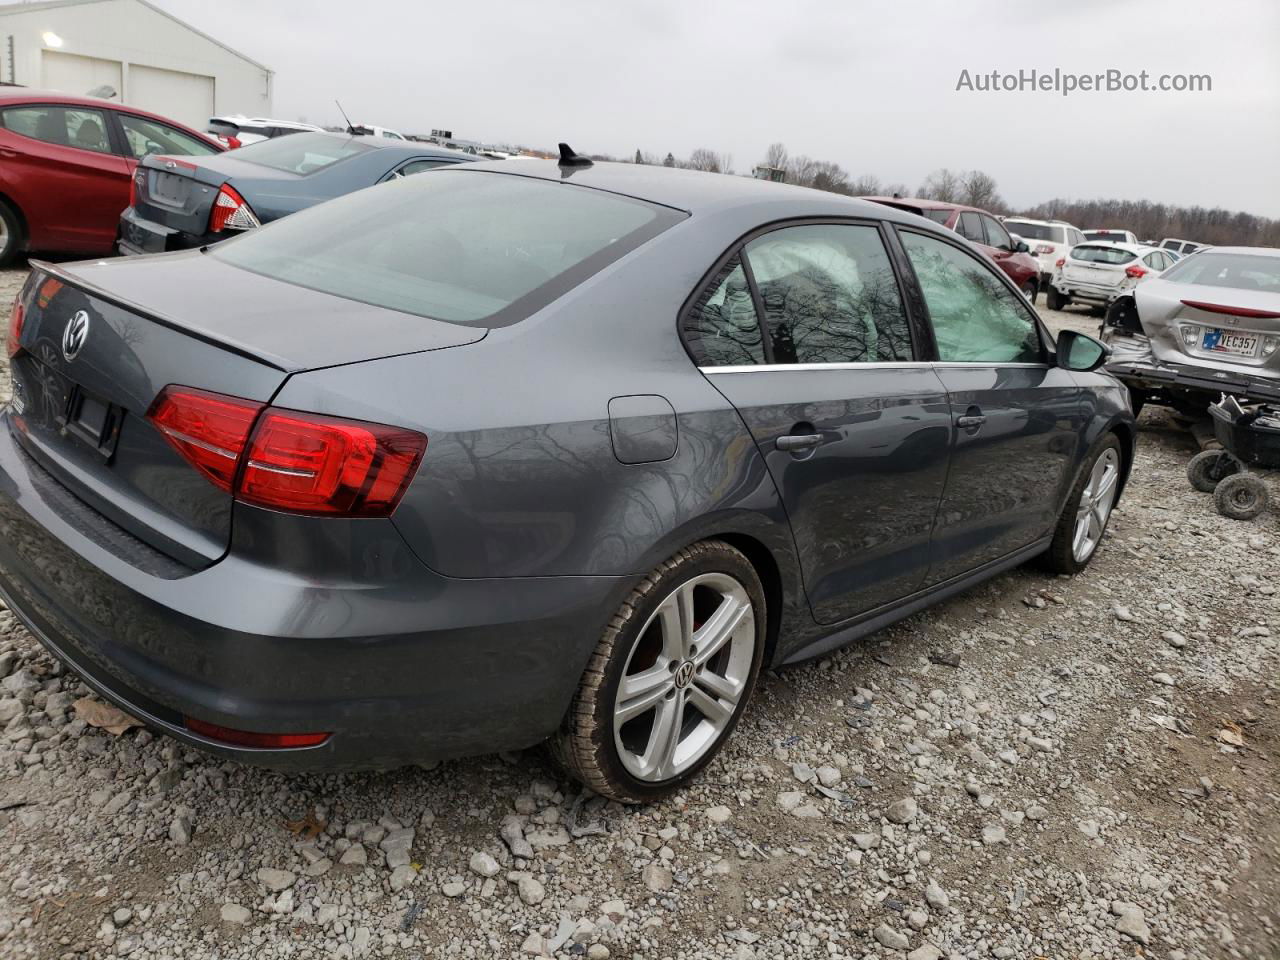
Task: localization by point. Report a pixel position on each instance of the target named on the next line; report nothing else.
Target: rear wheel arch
(766, 567)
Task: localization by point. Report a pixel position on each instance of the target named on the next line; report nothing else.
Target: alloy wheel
(1096, 500)
(685, 677)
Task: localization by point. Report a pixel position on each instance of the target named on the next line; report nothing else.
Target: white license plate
(1227, 341)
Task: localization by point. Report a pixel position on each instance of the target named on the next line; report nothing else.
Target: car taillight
(307, 463)
(230, 142)
(1044, 248)
(209, 430)
(13, 341)
(1061, 261)
(289, 460)
(1135, 271)
(231, 212)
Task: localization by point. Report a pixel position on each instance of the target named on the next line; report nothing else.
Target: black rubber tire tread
(583, 747)
(1241, 496)
(1054, 300)
(1058, 558)
(17, 235)
(1208, 468)
(1031, 286)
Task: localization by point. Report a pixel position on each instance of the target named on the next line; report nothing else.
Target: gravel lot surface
(1044, 767)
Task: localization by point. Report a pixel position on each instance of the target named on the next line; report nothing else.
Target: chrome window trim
(875, 365)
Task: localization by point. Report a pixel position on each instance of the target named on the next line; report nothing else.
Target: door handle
(798, 441)
(970, 421)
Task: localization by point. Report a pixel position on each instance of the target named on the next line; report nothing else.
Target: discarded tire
(1241, 497)
(1208, 468)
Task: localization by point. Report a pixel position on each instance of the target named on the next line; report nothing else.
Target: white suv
(240, 131)
(1048, 240)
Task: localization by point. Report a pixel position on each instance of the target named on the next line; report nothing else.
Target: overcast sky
(869, 84)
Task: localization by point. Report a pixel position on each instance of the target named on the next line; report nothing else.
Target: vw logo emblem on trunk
(74, 336)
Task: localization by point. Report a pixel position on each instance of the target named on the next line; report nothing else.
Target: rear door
(73, 185)
(803, 329)
(1016, 416)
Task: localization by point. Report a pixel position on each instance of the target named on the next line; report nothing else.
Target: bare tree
(978, 189)
(776, 156)
(801, 170)
(867, 185)
(941, 185)
(708, 160)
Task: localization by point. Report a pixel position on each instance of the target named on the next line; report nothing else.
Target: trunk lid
(179, 193)
(81, 403)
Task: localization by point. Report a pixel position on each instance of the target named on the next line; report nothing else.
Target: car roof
(925, 204)
(413, 147)
(1138, 248)
(695, 192)
(1255, 251)
(12, 96)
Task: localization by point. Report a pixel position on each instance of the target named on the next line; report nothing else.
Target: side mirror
(1021, 247)
(1081, 352)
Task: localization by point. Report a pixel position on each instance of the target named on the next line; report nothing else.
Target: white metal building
(151, 58)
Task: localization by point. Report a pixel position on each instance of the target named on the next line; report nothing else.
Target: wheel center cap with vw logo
(74, 336)
(684, 673)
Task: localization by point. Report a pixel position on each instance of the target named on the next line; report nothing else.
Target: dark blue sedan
(177, 203)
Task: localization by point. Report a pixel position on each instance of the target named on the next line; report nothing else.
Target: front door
(854, 429)
(1016, 418)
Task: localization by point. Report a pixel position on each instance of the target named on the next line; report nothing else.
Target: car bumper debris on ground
(1047, 767)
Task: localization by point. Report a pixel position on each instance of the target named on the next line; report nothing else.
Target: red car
(983, 230)
(66, 166)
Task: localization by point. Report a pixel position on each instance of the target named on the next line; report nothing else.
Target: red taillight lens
(210, 430)
(306, 463)
(231, 212)
(1230, 311)
(13, 341)
(229, 142)
(1135, 271)
(248, 738)
(1061, 261)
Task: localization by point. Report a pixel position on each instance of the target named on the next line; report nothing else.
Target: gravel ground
(1058, 768)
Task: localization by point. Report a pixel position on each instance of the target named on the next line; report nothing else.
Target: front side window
(723, 329)
(976, 317)
(829, 295)
(997, 236)
(65, 126)
(146, 137)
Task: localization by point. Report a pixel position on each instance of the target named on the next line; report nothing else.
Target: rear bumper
(470, 666)
(138, 235)
(1153, 374)
(1092, 292)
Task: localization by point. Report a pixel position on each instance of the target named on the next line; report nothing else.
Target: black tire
(1055, 300)
(1241, 496)
(1137, 399)
(1029, 290)
(14, 235)
(1208, 468)
(585, 746)
(1060, 558)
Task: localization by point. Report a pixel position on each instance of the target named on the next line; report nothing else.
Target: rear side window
(484, 248)
(302, 153)
(1090, 253)
(976, 318)
(829, 295)
(723, 329)
(65, 126)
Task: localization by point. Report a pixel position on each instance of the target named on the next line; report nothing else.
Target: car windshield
(458, 246)
(1244, 271)
(1091, 253)
(303, 153)
(1036, 231)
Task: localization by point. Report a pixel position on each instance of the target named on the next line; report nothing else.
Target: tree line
(976, 188)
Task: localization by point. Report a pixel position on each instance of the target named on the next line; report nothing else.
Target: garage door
(69, 73)
(185, 97)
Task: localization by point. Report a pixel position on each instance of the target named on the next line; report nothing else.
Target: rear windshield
(938, 216)
(304, 153)
(1244, 271)
(1104, 235)
(1036, 231)
(1099, 254)
(484, 248)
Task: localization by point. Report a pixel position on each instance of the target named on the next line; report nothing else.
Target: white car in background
(1111, 236)
(1097, 272)
(1048, 240)
(1180, 247)
(373, 130)
(237, 130)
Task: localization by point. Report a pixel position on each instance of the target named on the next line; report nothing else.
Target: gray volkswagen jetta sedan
(503, 455)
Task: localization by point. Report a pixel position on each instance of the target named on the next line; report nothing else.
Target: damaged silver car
(1208, 325)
